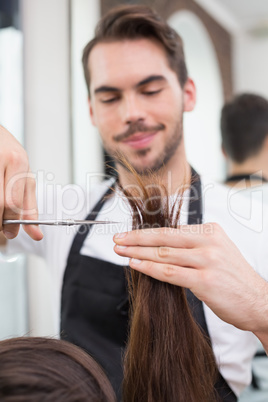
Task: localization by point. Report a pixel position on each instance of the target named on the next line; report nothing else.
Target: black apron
(94, 304)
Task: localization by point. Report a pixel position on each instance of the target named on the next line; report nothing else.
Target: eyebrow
(106, 88)
(151, 78)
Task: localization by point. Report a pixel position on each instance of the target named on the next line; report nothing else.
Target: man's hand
(203, 259)
(17, 187)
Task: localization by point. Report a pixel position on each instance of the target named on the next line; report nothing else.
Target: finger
(193, 258)
(15, 178)
(175, 275)
(30, 210)
(186, 236)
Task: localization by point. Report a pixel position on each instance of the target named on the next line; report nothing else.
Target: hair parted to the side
(168, 358)
(131, 22)
(36, 369)
(244, 126)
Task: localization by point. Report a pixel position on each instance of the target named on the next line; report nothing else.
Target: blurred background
(43, 102)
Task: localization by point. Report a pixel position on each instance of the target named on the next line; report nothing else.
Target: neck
(257, 165)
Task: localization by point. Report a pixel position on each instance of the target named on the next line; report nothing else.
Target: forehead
(129, 61)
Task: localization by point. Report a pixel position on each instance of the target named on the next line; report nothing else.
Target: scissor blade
(64, 222)
(88, 222)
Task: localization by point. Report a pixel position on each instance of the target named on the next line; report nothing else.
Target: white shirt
(233, 348)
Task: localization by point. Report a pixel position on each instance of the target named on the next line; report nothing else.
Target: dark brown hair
(168, 358)
(244, 126)
(136, 22)
(37, 369)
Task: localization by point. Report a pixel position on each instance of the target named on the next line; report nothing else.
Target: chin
(142, 161)
(148, 168)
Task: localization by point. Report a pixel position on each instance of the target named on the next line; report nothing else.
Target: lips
(140, 140)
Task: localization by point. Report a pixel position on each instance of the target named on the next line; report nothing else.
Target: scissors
(63, 222)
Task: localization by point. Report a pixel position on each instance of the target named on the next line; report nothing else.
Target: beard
(160, 161)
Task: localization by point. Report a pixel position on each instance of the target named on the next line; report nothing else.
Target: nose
(132, 109)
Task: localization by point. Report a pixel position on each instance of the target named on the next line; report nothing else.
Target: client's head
(35, 369)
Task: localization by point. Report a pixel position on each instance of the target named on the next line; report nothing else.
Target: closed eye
(110, 100)
(150, 93)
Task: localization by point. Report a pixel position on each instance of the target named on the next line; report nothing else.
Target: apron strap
(195, 210)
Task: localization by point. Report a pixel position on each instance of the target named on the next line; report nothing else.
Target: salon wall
(251, 63)
(58, 134)
(45, 26)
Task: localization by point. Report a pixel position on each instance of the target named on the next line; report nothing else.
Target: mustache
(137, 127)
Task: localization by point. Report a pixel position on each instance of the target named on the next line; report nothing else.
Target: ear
(189, 95)
(91, 112)
(223, 151)
(265, 142)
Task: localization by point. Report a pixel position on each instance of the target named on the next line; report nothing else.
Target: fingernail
(120, 247)
(135, 261)
(120, 235)
(8, 235)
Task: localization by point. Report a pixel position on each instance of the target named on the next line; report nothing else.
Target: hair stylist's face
(137, 102)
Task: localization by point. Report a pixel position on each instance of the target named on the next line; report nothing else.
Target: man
(138, 90)
(244, 131)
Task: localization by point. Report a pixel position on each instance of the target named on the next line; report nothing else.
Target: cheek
(167, 111)
(107, 125)
(103, 119)
(166, 105)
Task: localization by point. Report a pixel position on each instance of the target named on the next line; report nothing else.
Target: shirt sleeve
(262, 254)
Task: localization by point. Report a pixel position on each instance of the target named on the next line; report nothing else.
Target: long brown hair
(168, 358)
(36, 369)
